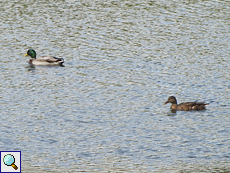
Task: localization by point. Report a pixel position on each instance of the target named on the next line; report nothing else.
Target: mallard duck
(43, 60)
(187, 106)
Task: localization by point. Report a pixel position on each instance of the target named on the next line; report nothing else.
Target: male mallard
(43, 60)
(187, 106)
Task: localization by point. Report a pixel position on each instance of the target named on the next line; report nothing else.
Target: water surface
(104, 110)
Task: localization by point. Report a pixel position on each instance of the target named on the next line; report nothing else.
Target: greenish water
(104, 110)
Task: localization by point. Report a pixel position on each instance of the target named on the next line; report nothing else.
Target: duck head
(172, 100)
(31, 53)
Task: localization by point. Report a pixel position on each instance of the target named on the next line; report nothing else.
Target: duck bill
(25, 55)
(166, 103)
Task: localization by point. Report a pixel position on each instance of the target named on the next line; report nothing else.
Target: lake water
(103, 111)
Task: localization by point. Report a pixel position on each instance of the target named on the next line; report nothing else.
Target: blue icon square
(10, 161)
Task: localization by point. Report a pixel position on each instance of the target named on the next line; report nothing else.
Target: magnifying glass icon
(9, 160)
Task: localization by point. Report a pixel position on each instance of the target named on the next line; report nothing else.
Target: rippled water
(104, 110)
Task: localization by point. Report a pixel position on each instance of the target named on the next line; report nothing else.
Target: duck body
(46, 60)
(43, 60)
(186, 106)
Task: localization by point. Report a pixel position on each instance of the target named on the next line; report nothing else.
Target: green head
(31, 53)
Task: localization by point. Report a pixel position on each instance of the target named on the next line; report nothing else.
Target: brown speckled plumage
(187, 106)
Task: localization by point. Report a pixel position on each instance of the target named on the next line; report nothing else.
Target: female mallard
(187, 106)
(43, 60)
